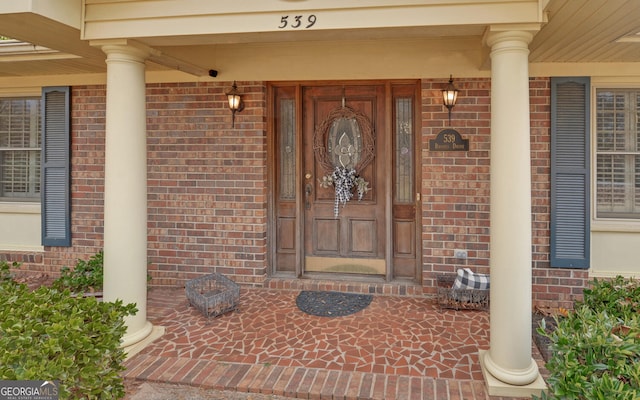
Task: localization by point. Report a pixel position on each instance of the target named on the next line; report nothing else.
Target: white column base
(134, 337)
(131, 348)
(496, 387)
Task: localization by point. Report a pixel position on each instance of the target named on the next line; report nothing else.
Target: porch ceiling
(589, 31)
(576, 32)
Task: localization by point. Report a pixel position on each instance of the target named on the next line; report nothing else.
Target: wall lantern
(449, 96)
(235, 102)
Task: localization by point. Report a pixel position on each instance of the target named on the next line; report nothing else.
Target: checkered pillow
(467, 279)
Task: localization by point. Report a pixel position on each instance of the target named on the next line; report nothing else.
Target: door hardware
(307, 193)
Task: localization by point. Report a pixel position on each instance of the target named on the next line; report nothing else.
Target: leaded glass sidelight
(403, 139)
(287, 125)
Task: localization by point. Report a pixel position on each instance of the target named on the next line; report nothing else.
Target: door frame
(272, 159)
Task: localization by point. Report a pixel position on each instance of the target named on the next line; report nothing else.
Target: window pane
(404, 150)
(20, 148)
(611, 186)
(611, 127)
(617, 154)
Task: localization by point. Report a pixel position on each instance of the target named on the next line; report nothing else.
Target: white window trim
(20, 207)
(26, 207)
(8, 206)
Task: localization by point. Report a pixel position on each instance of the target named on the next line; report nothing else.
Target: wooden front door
(322, 133)
(341, 127)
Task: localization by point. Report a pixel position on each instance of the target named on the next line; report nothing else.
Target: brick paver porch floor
(397, 348)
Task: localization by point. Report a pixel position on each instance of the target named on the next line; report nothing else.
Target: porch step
(410, 289)
(298, 382)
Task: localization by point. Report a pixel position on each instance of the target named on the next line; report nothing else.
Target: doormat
(332, 304)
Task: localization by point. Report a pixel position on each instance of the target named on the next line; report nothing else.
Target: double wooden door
(324, 136)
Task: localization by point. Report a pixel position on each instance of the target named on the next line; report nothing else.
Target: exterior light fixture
(449, 96)
(235, 102)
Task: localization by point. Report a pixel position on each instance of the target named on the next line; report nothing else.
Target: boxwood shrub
(48, 334)
(596, 347)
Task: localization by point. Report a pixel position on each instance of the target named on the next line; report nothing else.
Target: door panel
(358, 231)
(326, 234)
(286, 234)
(362, 235)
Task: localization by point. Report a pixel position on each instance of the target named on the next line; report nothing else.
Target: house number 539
(297, 21)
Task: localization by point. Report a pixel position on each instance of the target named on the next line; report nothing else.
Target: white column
(509, 357)
(125, 187)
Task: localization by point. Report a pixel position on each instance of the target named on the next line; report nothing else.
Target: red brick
(207, 185)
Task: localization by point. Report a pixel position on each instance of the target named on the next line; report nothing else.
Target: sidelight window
(404, 172)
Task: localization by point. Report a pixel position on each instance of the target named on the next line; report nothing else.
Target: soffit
(589, 31)
(44, 46)
(56, 47)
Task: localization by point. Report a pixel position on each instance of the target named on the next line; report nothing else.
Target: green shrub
(48, 334)
(619, 297)
(86, 276)
(5, 270)
(596, 347)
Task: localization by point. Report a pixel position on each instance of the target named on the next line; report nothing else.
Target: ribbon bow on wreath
(344, 180)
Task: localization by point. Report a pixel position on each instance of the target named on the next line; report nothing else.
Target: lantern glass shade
(234, 98)
(234, 101)
(450, 94)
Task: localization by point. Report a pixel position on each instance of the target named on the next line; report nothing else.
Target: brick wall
(455, 185)
(207, 183)
(455, 190)
(207, 189)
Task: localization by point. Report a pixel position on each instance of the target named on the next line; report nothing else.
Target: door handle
(307, 194)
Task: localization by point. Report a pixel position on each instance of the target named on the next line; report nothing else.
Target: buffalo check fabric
(467, 279)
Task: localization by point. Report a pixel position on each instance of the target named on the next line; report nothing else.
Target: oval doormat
(332, 304)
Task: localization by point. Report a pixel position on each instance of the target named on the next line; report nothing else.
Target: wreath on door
(344, 144)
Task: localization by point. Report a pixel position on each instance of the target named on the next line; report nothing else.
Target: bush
(619, 297)
(47, 334)
(596, 348)
(86, 276)
(5, 270)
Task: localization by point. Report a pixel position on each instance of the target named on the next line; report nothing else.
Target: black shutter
(56, 199)
(570, 191)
